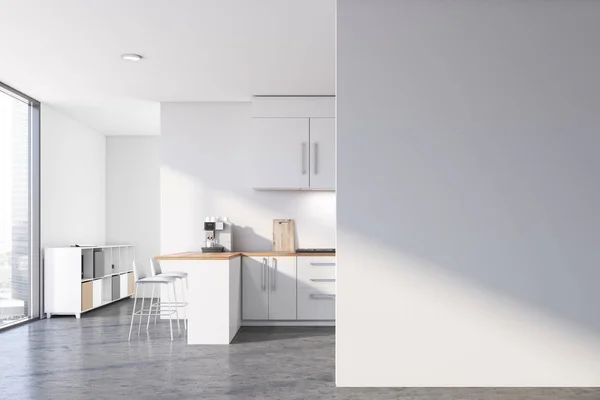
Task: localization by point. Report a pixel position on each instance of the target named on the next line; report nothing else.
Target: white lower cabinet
(255, 295)
(269, 288)
(282, 288)
(316, 288)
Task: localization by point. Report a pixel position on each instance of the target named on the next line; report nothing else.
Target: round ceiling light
(131, 57)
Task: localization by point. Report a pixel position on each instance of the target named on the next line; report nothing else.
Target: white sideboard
(80, 279)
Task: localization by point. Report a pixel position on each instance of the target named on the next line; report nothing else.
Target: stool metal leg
(141, 313)
(176, 308)
(170, 311)
(159, 304)
(150, 311)
(184, 304)
(133, 312)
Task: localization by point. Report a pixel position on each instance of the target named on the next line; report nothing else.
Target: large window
(19, 207)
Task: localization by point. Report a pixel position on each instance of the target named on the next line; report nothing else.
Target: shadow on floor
(255, 334)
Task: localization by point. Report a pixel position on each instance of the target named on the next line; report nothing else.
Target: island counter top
(198, 255)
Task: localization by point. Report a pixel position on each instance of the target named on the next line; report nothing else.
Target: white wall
(468, 232)
(133, 193)
(205, 156)
(73, 181)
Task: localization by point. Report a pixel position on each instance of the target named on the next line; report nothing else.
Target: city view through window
(14, 210)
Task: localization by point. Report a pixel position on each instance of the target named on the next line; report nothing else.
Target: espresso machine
(217, 235)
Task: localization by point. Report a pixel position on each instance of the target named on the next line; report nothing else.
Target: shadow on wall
(250, 235)
(513, 213)
(186, 200)
(206, 166)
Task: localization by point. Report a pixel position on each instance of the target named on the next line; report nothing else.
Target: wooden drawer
(313, 270)
(87, 295)
(315, 305)
(130, 283)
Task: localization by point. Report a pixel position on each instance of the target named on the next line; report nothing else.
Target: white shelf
(68, 270)
(107, 276)
(108, 246)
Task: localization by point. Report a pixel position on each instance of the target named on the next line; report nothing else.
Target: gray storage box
(109, 267)
(87, 264)
(116, 287)
(99, 264)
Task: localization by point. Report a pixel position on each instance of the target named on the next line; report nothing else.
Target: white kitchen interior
(299, 199)
(252, 279)
(296, 137)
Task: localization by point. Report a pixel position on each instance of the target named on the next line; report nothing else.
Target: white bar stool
(181, 277)
(143, 277)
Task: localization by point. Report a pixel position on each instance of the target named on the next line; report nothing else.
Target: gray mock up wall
(468, 223)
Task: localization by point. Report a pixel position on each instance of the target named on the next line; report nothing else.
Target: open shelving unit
(80, 279)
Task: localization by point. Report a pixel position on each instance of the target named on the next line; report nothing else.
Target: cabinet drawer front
(97, 296)
(315, 269)
(87, 295)
(316, 305)
(318, 285)
(123, 285)
(130, 283)
(116, 287)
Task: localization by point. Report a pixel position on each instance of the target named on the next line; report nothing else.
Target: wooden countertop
(284, 254)
(198, 255)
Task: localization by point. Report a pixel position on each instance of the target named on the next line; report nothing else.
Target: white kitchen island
(269, 288)
(214, 294)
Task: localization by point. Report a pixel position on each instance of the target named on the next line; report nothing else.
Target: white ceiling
(67, 53)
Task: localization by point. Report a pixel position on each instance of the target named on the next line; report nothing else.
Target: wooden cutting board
(284, 237)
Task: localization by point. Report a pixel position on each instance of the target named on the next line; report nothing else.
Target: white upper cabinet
(293, 143)
(281, 153)
(322, 153)
(293, 107)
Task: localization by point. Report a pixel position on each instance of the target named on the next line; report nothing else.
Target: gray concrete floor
(65, 358)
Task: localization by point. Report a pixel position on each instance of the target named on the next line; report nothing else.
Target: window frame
(35, 251)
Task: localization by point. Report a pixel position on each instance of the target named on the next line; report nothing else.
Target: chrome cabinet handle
(264, 275)
(303, 158)
(316, 159)
(322, 296)
(274, 280)
(323, 264)
(322, 280)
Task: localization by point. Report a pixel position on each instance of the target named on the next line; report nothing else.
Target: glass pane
(14, 210)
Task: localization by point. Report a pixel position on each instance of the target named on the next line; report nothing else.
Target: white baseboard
(288, 323)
